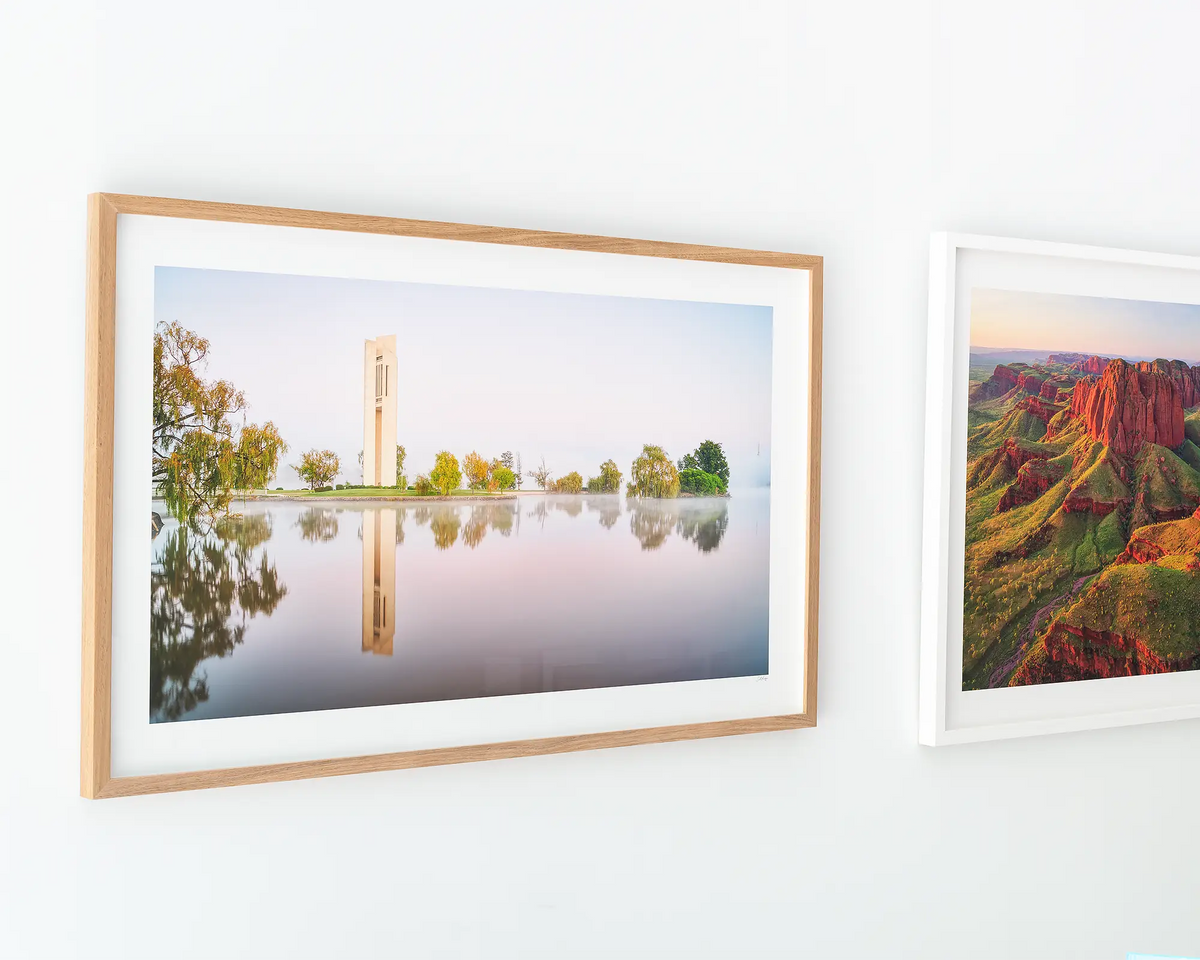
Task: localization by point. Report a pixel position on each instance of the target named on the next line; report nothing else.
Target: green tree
(318, 468)
(700, 483)
(654, 475)
(445, 475)
(710, 458)
(571, 483)
(423, 484)
(198, 455)
(610, 477)
(503, 478)
(401, 479)
(477, 471)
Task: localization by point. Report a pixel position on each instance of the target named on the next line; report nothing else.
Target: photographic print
(1082, 553)
(371, 492)
(364, 493)
(1061, 542)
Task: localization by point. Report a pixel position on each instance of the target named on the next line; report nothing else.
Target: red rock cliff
(1093, 365)
(1186, 378)
(997, 385)
(1128, 407)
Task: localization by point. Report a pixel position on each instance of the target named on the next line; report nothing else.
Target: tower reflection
(379, 581)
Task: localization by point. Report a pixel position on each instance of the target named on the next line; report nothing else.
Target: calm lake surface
(300, 606)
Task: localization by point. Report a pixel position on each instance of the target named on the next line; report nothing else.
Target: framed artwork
(364, 493)
(1061, 566)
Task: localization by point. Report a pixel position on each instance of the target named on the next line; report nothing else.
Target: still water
(293, 606)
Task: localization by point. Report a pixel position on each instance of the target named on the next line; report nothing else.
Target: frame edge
(441, 230)
(812, 591)
(375, 763)
(99, 397)
(934, 560)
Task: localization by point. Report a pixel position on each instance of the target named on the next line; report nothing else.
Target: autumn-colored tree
(318, 468)
(445, 475)
(199, 456)
(541, 475)
(654, 475)
(503, 478)
(423, 484)
(476, 469)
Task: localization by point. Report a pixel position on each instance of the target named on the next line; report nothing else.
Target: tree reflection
(539, 512)
(476, 527)
(500, 518)
(571, 506)
(651, 523)
(705, 527)
(202, 591)
(485, 517)
(318, 525)
(609, 509)
(701, 522)
(445, 524)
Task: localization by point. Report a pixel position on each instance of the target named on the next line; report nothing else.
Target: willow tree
(654, 475)
(200, 454)
(610, 477)
(570, 483)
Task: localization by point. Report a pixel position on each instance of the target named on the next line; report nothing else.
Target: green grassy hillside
(1050, 513)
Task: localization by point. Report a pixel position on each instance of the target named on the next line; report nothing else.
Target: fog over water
(297, 606)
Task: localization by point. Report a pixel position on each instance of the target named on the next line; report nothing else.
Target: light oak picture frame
(104, 213)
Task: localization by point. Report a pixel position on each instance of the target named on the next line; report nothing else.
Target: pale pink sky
(574, 378)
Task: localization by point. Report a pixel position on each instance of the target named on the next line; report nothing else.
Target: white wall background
(849, 129)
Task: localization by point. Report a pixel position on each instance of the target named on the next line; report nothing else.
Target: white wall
(849, 129)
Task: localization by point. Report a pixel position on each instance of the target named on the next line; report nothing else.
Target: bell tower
(379, 412)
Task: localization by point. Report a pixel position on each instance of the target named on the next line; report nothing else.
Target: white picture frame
(948, 714)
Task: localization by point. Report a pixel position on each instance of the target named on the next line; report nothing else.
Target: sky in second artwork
(1110, 327)
(574, 378)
